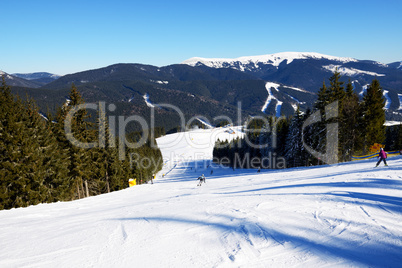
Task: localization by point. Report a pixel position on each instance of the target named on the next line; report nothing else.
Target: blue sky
(70, 36)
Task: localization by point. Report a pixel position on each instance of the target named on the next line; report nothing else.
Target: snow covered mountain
(345, 215)
(308, 70)
(42, 78)
(38, 75)
(216, 86)
(16, 81)
(265, 65)
(397, 65)
(254, 62)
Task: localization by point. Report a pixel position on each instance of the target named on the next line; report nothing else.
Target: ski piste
(343, 215)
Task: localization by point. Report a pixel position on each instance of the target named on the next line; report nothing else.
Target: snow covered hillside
(342, 215)
(274, 59)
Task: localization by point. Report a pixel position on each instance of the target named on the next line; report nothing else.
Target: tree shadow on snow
(379, 254)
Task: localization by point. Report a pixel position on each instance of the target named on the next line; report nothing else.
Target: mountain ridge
(229, 81)
(275, 59)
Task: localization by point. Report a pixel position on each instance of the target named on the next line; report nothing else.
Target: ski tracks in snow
(245, 241)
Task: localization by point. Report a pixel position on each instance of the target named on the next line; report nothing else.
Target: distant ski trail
(268, 86)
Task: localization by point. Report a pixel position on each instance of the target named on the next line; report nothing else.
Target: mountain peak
(36, 75)
(273, 59)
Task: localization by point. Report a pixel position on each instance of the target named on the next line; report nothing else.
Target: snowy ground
(346, 215)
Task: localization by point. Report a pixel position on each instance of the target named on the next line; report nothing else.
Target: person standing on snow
(382, 155)
(202, 179)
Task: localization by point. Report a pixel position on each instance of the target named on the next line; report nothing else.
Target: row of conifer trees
(283, 142)
(39, 164)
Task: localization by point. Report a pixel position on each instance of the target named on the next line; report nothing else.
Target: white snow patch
(6, 75)
(146, 98)
(400, 101)
(268, 86)
(293, 98)
(278, 108)
(387, 100)
(160, 82)
(43, 116)
(67, 102)
(392, 123)
(364, 90)
(299, 89)
(349, 71)
(205, 123)
(353, 84)
(294, 106)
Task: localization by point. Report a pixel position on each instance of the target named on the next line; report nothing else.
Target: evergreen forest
(40, 164)
(356, 123)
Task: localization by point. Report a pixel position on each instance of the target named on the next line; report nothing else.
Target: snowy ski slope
(346, 215)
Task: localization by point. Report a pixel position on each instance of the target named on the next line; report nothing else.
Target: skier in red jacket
(382, 155)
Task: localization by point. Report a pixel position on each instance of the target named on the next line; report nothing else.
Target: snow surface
(273, 59)
(364, 89)
(6, 75)
(387, 100)
(36, 75)
(349, 71)
(345, 215)
(400, 101)
(392, 123)
(160, 82)
(43, 116)
(205, 122)
(299, 89)
(147, 101)
(268, 86)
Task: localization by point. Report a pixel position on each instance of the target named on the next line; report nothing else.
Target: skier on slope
(382, 155)
(202, 179)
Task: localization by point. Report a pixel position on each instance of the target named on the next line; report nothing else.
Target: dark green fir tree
(373, 115)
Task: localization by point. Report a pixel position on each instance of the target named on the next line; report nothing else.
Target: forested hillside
(40, 162)
(338, 126)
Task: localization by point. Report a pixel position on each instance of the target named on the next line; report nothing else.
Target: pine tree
(295, 151)
(48, 170)
(398, 142)
(30, 166)
(317, 137)
(109, 173)
(350, 135)
(12, 184)
(373, 115)
(80, 169)
(337, 92)
(334, 93)
(282, 132)
(322, 97)
(265, 140)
